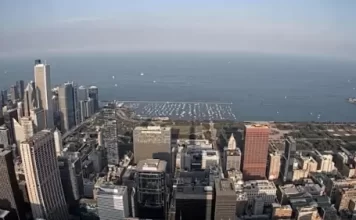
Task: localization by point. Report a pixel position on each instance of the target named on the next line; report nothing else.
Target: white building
(58, 142)
(43, 85)
(210, 158)
(263, 188)
(113, 202)
(42, 176)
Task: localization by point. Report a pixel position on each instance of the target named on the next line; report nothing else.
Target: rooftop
(224, 186)
(257, 125)
(107, 189)
(152, 128)
(152, 165)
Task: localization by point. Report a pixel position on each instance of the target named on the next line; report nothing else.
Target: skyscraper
(82, 93)
(93, 92)
(58, 142)
(4, 136)
(29, 98)
(66, 106)
(20, 84)
(152, 142)
(225, 199)
(151, 188)
(290, 149)
(255, 151)
(76, 104)
(14, 93)
(10, 194)
(42, 176)
(24, 128)
(113, 202)
(232, 155)
(43, 84)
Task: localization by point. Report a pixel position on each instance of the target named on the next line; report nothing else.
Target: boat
(352, 100)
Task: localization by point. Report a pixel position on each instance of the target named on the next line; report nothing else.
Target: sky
(301, 27)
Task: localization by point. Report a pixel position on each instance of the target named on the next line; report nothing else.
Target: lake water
(261, 87)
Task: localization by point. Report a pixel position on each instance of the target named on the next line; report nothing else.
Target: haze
(302, 27)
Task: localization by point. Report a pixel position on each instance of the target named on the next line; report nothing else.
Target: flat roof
(108, 189)
(152, 128)
(258, 125)
(150, 165)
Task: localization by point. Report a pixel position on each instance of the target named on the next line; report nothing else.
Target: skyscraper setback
(255, 151)
(43, 85)
(43, 177)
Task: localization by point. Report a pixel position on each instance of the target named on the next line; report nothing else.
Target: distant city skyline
(318, 28)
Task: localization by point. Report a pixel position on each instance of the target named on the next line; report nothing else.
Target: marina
(182, 110)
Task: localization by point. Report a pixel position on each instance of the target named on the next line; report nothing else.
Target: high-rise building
(225, 200)
(255, 151)
(289, 158)
(113, 202)
(151, 188)
(232, 143)
(274, 165)
(20, 109)
(90, 107)
(9, 115)
(232, 159)
(69, 167)
(93, 92)
(152, 142)
(111, 142)
(4, 98)
(10, 194)
(43, 84)
(82, 93)
(38, 117)
(43, 177)
(24, 128)
(58, 142)
(76, 104)
(29, 99)
(66, 106)
(20, 84)
(14, 93)
(4, 136)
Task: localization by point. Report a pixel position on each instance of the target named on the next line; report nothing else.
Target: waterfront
(261, 87)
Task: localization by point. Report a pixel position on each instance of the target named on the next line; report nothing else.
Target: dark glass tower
(288, 159)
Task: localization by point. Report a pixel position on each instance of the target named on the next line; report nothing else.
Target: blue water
(261, 87)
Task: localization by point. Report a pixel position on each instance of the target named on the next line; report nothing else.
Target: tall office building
(232, 143)
(9, 115)
(14, 93)
(111, 142)
(66, 106)
(93, 92)
(20, 109)
(69, 167)
(225, 199)
(82, 93)
(4, 136)
(4, 98)
(43, 84)
(152, 142)
(76, 104)
(29, 98)
(151, 188)
(43, 177)
(24, 129)
(10, 194)
(255, 151)
(274, 165)
(290, 150)
(58, 142)
(20, 84)
(113, 202)
(38, 117)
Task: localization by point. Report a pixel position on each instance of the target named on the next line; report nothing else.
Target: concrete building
(14, 93)
(82, 93)
(325, 162)
(281, 211)
(58, 143)
(152, 142)
(264, 188)
(343, 198)
(10, 194)
(111, 142)
(309, 164)
(30, 99)
(274, 165)
(4, 136)
(232, 143)
(255, 151)
(24, 128)
(210, 158)
(232, 159)
(43, 85)
(93, 93)
(38, 117)
(113, 202)
(225, 199)
(69, 169)
(151, 188)
(288, 159)
(43, 177)
(309, 212)
(66, 106)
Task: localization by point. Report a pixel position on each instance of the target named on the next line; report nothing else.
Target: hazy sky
(306, 27)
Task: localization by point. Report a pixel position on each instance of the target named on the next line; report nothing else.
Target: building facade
(43, 177)
(255, 151)
(66, 106)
